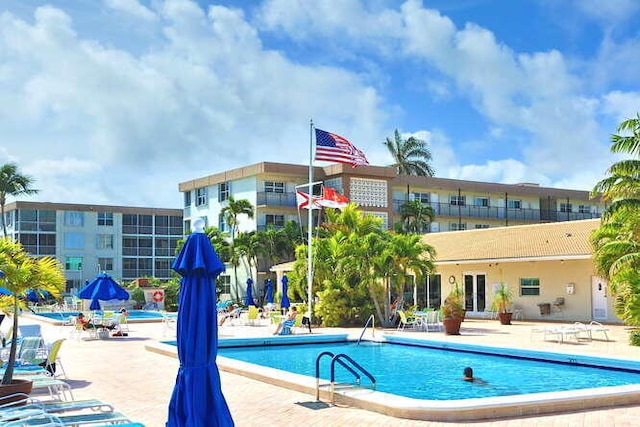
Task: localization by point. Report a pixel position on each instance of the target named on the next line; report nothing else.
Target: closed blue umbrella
(248, 300)
(104, 288)
(269, 291)
(285, 288)
(197, 398)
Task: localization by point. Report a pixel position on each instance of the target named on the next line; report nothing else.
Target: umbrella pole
(309, 225)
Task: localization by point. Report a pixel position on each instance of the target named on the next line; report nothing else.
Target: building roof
(91, 208)
(558, 240)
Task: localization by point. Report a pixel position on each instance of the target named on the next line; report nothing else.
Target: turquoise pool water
(133, 314)
(435, 374)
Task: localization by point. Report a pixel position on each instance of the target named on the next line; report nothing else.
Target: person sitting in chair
(291, 317)
(87, 324)
(234, 312)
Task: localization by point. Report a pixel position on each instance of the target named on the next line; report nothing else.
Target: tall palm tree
(231, 213)
(12, 183)
(416, 217)
(410, 156)
(617, 242)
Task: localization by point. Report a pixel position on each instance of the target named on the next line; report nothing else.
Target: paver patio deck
(138, 383)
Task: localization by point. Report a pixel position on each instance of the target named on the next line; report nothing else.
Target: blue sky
(117, 101)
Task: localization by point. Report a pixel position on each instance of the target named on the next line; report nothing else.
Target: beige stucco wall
(553, 275)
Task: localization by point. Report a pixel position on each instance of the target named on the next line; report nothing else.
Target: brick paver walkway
(139, 383)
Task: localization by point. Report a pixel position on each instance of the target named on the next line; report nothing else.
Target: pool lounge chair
(90, 418)
(405, 321)
(592, 327)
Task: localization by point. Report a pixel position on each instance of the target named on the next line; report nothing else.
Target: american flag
(334, 148)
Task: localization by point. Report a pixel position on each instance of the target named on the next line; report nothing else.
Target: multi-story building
(126, 242)
(380, 191)
(458, 205)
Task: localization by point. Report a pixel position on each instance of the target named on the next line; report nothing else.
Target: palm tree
(617, 242)
(416, 217)
(21, 273)
(12, 183)
(231, 214)
(411, 156)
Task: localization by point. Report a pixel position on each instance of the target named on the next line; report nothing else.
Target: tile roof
(556, 240)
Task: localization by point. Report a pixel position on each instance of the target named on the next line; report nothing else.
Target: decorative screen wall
(369, 192)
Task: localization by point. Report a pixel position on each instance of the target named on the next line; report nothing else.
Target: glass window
(224, 190)
(424, 198)
(514, 204)
(105, 264)
(275, 220)
(222, 224)
(47, 216)
(104, 241)
(187, 199)
(74, 219)
(74, 240)
(273, 187)
(454, 226)
(458, 200)
(481, 202)
(566, 207)
(105, 218)
(223, 284)
(162, 224)
(529, 286)
(201, 197)
(73, 263)
(584, 209)
(482, 226)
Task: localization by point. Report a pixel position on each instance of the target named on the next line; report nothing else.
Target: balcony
(276, 199)
(494, 212)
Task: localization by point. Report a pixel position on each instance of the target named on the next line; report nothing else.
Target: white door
(599, 298)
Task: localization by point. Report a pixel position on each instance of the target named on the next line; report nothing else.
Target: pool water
(133, 314)
(432, 373)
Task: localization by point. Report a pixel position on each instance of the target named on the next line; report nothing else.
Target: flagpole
(310, 224)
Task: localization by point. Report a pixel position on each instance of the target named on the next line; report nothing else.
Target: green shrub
(634, 337)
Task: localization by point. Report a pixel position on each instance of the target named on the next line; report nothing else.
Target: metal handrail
(339, 359)
(371, 319)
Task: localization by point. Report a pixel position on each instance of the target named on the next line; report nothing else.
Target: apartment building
(126, 242)
(458, 205)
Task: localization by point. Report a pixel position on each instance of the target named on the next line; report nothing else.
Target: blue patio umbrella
(285, 288)
(248, 300)
(269, 291)
(104, 288)
(34, 295)
(197, 398)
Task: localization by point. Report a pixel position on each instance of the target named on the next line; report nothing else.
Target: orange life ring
(158, 296)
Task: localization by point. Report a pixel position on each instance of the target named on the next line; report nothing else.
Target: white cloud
(133, 8)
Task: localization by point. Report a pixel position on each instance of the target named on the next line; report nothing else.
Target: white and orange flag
(332, 199)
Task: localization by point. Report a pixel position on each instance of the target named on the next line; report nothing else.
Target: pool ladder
(373, 328)
(346, 362)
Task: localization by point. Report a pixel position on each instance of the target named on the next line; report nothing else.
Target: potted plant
(20, 273)
(453, 312)
(502, 297)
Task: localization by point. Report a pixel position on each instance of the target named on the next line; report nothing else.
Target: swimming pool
(63, 316)
(506, 395)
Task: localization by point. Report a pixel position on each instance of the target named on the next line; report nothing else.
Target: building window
(222, 224)
(529, 286)
(584, 209)
(454, 226)
(273, 187)
(224, 190)
(422, 197)
(74, 219)
(104, 241)
(223, 284)
(566, 207)
(201, 197)
(187, 199)
(514, 204)
(275, 220)
(458, 200)
(73, 240)
(482, 225)
(481, 202)
(105, 218)
(105, 264)
(73, 263)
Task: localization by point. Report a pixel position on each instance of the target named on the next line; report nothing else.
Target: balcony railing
(276, 199)
(494, 212)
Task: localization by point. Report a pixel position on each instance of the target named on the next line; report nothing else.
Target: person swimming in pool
(467, 375)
